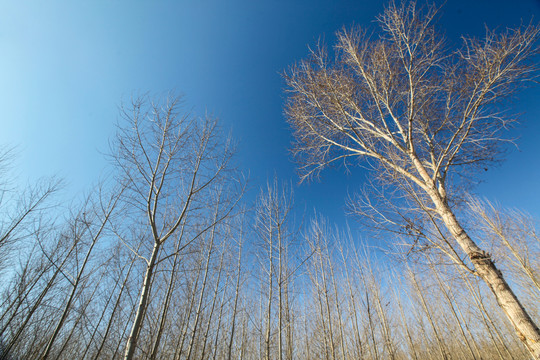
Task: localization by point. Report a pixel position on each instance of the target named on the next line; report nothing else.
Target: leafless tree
(177, 177)
(274, 232)
(514, 237)
(20, 209)
(90, 222)
(420, 115)
(237, 289)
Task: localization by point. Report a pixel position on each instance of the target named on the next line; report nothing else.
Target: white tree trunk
(524, 326)
(143, 300)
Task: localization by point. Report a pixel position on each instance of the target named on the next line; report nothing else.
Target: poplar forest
(172, 257)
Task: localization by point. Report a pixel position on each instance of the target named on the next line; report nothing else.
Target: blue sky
(65, 66)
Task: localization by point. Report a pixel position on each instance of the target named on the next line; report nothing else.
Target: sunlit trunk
(524, 326)
(141, 309)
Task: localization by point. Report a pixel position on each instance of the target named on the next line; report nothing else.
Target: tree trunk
(524, 326)
(235, 308)
(143, 300)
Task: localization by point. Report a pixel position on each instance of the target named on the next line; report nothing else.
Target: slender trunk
(115, 307)
(37, 303)
(453, 310)
(327, 303)
(371, 325)
(25, 289)
(280, 296)
(270, 294)
(170, 289)
(321, 312)
(338, 308)
(523, 324)
(120, 341)
(165, 309)
(306, 329)
(469, 332)
(201, 298)
(385, 326)
(368, 307)
(212, 308)
(187, 314)
(243, 344)
(290, 324)
(71, 297)
(102, 316)
(352, 307)
(428, 314)
(488, 322)
(412, 350)
(82, 314)
(131, 344)
(382, 314)
(485, 268)
(220, 318)
(425, 338)
(236, 296)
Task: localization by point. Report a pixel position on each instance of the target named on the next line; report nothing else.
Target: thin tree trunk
(141, 309)
(488, 322)
(37, 303)
(382, 313)
(270, 294)
(368, 307)
(524, 326)
(163, 316)
(75, 286)
(170, 290)
(115, 307)
(327, 303)
(220, 318)
(187, 314)
(201, 296)
(453, 310)
(412, 350)
(290, 325)
(338, 308)
(352, 307)
(236, 296)
(213, 307)
(23, 292)
(280, 295)
(82, 314)
(428, 314)
(102, 316)
(321, 312)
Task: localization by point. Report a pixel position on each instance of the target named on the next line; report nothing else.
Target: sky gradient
(66, 66)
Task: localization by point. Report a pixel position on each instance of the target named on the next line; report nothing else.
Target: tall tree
(419, 114)
(275, 233)
(20, 208)
(176, 170)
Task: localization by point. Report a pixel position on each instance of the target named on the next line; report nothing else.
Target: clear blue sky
(65, 66)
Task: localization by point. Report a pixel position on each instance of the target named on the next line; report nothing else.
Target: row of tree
(165, 260)
(255, 285)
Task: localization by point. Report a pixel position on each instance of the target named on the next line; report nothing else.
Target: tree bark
(143, 300)
(524, 326)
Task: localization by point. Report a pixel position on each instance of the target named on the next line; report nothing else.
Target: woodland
(168, 258)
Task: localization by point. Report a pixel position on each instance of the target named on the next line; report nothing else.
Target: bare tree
(275, 233)
(513, 235)
(20, 209)
(89, 222)
(420, 115)
(172, 166)
(237, 289)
